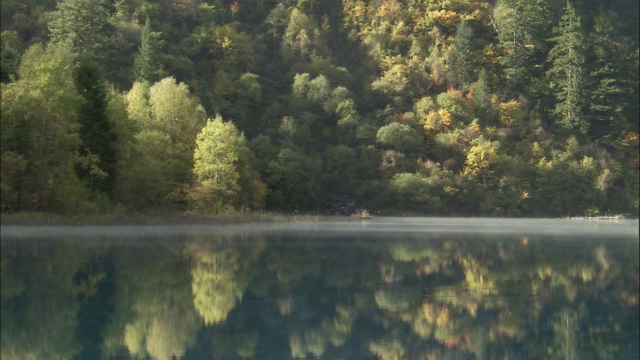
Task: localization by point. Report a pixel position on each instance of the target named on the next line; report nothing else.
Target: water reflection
(332, 293)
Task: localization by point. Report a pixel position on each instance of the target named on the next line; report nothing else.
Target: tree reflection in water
(247, 295)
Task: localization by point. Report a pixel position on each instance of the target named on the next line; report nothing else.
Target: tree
(40, 139)
(276, 21)
(394, 80)
(223, 91)
(155, 168)
(85, 25)
(482, 96)
(246, 108)
(215, 161)
(319, 90)
(521, 26)
(292, 180)
(137, 103)
(146, 65)
(607, 100)
(299, 35)
(176, 111)
(460, 61)
(436, 65)
(400, 137)
(96, 129)
(231, 49)
(9, 55)
(567, 73)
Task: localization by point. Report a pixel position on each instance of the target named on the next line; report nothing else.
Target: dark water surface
(386, 288)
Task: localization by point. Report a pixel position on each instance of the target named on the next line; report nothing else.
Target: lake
(385, 288)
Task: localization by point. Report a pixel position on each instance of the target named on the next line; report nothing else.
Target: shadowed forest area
(441, 107)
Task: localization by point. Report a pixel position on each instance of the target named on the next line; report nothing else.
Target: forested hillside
(441, 107)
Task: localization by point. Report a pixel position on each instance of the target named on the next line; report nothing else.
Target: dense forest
(441, 107)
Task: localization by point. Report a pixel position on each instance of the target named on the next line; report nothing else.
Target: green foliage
(40, 134)
(607, 98)
(340, 169)
(215, 158)
(96, 129)
(425, 194)
(292, 180)
(319, 90)
(85, 25)
(481, 92)
(400, 137)
(567, 72)
(175, 111)
(146, 65)
(137, 102)
(346, 95)
(521, 26)
(231, 49)
(456, 105)
(460, 61)
(9, 55)
(298, 36)
(153, 171)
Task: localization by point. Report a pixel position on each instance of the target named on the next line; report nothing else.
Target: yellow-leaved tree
(222, 169)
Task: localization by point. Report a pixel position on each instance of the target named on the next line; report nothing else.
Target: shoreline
(163, 218)
(187, 218)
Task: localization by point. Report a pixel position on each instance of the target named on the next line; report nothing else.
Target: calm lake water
(386, 288)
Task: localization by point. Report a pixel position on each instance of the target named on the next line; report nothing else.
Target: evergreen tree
(482, 96)
(85, 24)
(9, 55)
(567, 73)
(460, 61)
(96, 129)
(521, 27)
(608, 88)
(146, 65)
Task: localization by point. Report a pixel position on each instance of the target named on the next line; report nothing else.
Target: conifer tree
(567, 72)
(460, 62)
(521, 27)
(85, 24)
(146, 65)
(96, 129)
(481, 95)
(608, 88)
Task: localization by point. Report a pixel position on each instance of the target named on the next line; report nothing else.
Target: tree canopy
(336, 102)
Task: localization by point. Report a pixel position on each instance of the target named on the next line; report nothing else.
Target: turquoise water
(386, 288)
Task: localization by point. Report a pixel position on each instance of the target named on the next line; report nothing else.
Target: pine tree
(146, 65)
(567, 73)
(96, 129)
(521, 26)
(85, 24)
(482, 96)
(460, 61)
(608, 87)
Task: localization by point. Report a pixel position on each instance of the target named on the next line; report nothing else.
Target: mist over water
(379, 226)
(384, 288)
